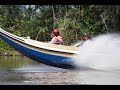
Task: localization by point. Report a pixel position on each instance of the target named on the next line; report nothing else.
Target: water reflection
(10, 62)
(24, 64)
(22, 70)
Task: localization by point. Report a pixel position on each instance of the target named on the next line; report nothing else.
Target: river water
(20, 70)
(98, 59)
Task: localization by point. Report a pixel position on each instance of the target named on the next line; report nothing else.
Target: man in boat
(56, 38)
(84, 37)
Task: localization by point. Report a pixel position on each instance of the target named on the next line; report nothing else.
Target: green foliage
(37, 22)
(82, 21)
(4, 46)
(69, 30)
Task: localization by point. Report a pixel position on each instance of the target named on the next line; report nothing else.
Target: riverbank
(10, 53)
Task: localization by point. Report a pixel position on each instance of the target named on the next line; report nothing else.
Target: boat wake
(101, 52)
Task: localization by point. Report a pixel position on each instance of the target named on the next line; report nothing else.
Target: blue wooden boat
(54, 55)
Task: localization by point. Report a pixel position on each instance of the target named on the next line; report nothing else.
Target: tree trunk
(54, 18)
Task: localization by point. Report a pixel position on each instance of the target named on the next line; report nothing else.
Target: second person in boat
(56, 38)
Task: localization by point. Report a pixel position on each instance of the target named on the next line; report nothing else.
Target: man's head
(56, 30)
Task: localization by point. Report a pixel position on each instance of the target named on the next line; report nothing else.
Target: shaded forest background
(37, 21)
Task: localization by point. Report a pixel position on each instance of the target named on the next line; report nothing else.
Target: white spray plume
(102, 52)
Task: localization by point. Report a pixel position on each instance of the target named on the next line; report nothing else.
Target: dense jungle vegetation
(37, 21)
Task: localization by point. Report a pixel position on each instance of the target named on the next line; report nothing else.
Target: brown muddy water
(20, 70)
